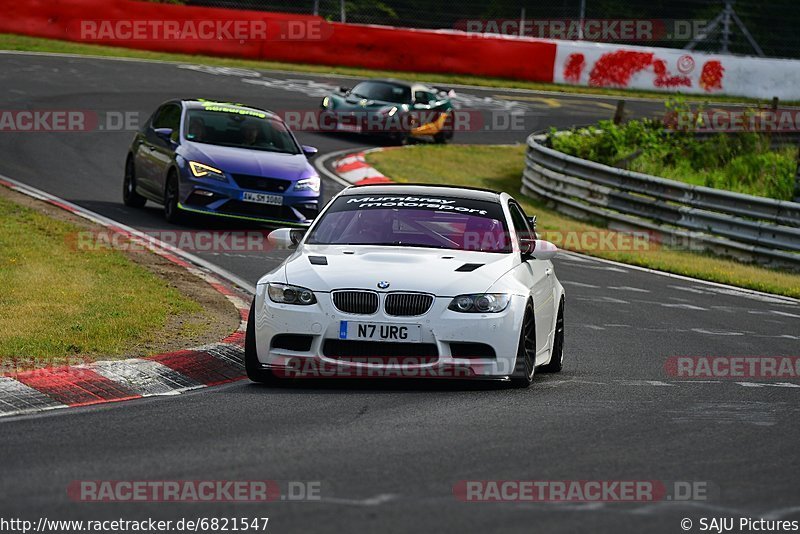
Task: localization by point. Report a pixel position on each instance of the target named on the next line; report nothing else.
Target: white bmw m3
(413, 281)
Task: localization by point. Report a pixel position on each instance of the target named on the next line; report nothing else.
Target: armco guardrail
(746, 227)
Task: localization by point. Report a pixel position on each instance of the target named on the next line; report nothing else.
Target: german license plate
(262, 198)
(399, 333)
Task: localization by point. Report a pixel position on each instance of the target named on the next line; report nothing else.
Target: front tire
(252, 366)
(172, 213)
(556, 362)
(525, 365)
(129, 195)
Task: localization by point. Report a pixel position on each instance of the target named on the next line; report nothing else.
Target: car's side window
(169, 116)
(520, 222)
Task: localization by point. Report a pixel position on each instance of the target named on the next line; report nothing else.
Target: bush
(743, 162)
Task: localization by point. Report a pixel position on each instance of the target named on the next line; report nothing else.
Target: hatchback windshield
(413, 221)
(230, 127)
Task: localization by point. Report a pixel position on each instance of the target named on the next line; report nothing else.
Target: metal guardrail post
(797, 177)
(619, 114)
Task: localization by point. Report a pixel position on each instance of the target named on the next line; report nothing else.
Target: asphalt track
(388, 454)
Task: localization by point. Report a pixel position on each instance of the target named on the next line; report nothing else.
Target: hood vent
(318, 260)
(469, 267)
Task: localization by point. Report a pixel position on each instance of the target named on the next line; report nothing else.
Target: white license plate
(400, 333)
(342, 127)
(262, 198)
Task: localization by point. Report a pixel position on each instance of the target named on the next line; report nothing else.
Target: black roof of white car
(472, 193)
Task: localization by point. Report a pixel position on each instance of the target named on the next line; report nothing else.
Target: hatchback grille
(360, 302)
(261, 183)
(407, 304)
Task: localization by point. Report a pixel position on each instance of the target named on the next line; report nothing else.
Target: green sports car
(392, 109)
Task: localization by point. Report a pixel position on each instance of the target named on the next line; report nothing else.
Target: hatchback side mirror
(164, 133)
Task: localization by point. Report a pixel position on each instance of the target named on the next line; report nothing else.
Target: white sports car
(410, 281)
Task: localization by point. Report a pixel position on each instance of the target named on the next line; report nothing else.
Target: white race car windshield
(414, 221)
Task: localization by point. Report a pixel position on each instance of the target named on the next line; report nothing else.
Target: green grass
(59, 303)
(36, 44)
(500, 168)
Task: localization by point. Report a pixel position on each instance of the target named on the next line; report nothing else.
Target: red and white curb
(354, 169)
(113, 381)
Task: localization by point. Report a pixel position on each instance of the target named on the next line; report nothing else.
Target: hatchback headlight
(201, 170)
(288, 294)
(308, 184)
(482, 303)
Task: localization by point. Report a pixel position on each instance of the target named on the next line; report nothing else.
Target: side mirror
(164, 133)
(344, 90)
(309, 151)
(285, 238)
(543, 250)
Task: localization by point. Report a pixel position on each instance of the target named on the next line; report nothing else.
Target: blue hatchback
(221, 159)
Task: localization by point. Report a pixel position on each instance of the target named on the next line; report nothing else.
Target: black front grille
(261, 183)
(360, 302)
(471, 350)
(407, 304)
(380, 352)
(298, 342)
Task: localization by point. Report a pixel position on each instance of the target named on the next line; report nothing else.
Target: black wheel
(399, 139)
(129, 195)
(525, 365)
(443, 137)
(171, 210)
(557, 358)
(255, 372)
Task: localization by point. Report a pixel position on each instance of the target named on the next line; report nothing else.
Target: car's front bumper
(223, 199)
(444, 351)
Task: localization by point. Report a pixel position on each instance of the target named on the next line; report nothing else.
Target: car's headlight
(308, 184)
(326, 102)
(482, 303)
(201, 170)
(287, 294)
